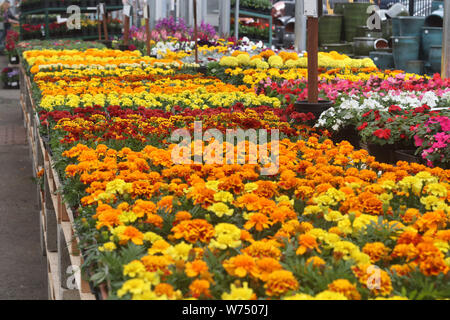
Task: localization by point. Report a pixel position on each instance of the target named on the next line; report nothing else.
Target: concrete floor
(22, 267)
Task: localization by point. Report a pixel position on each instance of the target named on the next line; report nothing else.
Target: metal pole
(300, 27)
(313, 65)
(411, 7)
(224, 17)
(147, 26)
(195, 31)
(236, 20)
(445, 66)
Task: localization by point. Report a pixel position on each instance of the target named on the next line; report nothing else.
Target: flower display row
(322, 225)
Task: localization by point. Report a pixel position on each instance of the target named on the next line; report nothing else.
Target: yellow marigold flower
(299, 296)
(333, 215)
(392, 298)
(250, 187)
(221, 209)
(346, 288)
(152, 237)
(226, 236)
(223, 196)
(180, 251)
(134, 269)
(133, 286)
(108, 246)
(330, 295)
(312, 210)
(239, 293)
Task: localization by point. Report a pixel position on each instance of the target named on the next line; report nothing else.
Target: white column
(300, 27)
(224, 18)
(445, 68)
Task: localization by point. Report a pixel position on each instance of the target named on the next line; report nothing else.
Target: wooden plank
(52, 259)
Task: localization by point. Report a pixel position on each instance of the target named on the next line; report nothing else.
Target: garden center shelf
(46, 11)
(57, 236)
(255, 14)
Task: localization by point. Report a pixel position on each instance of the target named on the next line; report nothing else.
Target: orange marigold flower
(261, 249)
(431, 221)
(232, 183)
(165, 289)
(346, 288)
(133, 234)
(409, 237)
(373, 278)
(306, 242)
(266, 189)
(246, 236)
(280, 282)
(195, 268)
(194, 230)
(201, 195)
(166, 204)
(200, 288)
(370, 203)
(403, 250)
(156, 263)
(410, 215)
(142, 208)
(182, 216)
(241, 265)
(304, 192)
(257, 221)
(400, 269)
(266, 266)
(316, 261)
(376, 251)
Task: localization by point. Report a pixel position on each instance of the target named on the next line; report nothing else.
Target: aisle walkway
(22, 267)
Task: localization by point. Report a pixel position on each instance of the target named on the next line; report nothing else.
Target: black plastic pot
(348, 133)
(315, 108)
(203, 70)
(14, 59)
(383, 154)
(407, 155)
(107, 43)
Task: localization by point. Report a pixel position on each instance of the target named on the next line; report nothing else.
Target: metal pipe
(236, 20)
(445, 66)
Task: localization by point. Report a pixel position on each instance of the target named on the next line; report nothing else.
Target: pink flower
(418, 141)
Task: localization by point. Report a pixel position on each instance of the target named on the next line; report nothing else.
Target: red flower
(363, 126)
(383, 133)
(394, 109)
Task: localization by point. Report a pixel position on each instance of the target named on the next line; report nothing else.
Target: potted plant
(12, 38)
(432, 140)
(10, 78)
(386, 131)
